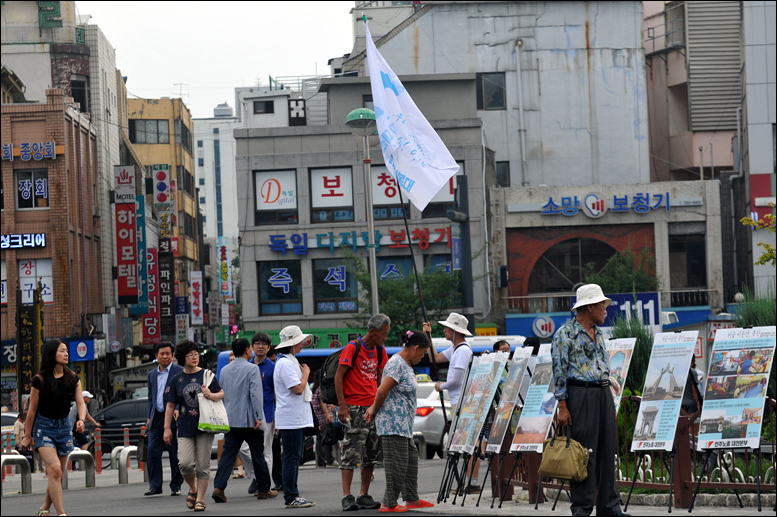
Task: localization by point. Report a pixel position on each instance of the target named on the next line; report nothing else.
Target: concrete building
(560, 85)
(759, 107)
(302, 188)
(50, 226)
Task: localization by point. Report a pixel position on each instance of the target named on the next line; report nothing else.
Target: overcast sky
(214, 47)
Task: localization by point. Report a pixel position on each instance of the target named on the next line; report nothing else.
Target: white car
(429, 419)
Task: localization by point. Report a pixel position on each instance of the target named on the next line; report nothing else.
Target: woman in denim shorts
(53, 390)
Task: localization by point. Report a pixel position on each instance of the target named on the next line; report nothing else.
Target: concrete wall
(583, 82)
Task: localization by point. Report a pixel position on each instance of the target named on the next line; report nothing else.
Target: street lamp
(362, 123)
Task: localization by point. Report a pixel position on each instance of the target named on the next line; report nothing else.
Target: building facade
(51, 229)
(302, 189)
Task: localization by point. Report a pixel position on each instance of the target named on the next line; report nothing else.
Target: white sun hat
(589, 294)
(291, 336)
(85, 394)
(457, 322)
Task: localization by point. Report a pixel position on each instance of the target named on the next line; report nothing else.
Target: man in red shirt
(356, 383)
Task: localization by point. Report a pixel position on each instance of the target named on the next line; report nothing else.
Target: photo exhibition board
(662, 394)
(510, 392)
(620, 352)
(538, 408)
(737, 379)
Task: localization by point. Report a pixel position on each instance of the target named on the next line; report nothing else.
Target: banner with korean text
(196, 287)
(662, 396)
(225, 271)
(151, 330)
(140, 218)
(126, 242)
(413, 152)
(737, 380)
(166, 299)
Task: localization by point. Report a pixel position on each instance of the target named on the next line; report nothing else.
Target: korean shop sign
(276, 190)
(32, 151)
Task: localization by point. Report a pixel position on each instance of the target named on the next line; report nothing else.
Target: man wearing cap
(356, 383)
(155, 422)
(581, 368)
(458, 356)
(292, 411)
(81, 438)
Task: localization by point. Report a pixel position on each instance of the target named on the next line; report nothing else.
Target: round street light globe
(361, 122)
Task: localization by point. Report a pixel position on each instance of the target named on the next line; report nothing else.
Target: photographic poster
(538, 407)
(734, 400)
(620, 352)
(477, 401)
(474, 360)
(510, 392)
(662, 395)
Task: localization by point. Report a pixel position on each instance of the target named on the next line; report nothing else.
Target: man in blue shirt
(155, 423)
(243, 400)
(260, 344)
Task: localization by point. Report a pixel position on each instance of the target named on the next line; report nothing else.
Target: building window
(687, 261)
(276, 197)
(202, 200)
(334, 286)
(185, 180)
(444, 200)
(201, 162)
(331, 197)
(264, 107)
(502, 174)
(199, 143)
(394, 268)
(149, 131)
(32, 189)
(490, 91)
(29, 272)
(280, 287)
(201, 181)
(183, 136)
(215, 131)
(79, 90)
(186, 225)
(385, 197)
(204, 220)
(367, 102)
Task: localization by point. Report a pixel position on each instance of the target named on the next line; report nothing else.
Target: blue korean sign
(140, 218)
(81, 349)
(646, 305)
(182, 305)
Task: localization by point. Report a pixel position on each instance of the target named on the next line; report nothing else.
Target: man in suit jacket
(155, 424)
(244, 402)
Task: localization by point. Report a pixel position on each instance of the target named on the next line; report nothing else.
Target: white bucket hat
(291, 336)
(589, 294)
(457, 322)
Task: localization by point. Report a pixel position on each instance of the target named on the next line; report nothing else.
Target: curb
(748, 500)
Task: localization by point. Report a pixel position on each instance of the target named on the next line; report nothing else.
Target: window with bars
(149, 131)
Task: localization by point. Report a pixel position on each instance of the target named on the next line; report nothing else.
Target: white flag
(414, 154)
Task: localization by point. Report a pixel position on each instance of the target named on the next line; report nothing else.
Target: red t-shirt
(359, 383)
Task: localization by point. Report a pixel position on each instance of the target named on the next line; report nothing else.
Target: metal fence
(33, 34)
(560, 302)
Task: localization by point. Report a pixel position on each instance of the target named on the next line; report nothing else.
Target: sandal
(238, 476)
(44, 513)
(199, 506)
(191, 499)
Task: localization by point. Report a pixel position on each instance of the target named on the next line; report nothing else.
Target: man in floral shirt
(581, 369)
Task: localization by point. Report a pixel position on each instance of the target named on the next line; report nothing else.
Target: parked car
(130, 414)
(8, 420)
(429, 419)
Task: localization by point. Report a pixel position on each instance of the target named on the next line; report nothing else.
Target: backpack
(329, 369)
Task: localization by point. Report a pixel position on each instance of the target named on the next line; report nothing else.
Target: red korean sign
(126, 253)
(151, 328)
(196, 298)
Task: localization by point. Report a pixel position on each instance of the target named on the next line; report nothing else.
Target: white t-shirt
(291, 411)
(459, 359)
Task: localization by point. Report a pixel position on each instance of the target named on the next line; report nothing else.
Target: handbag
(213, 414)
(328, 435)
(313, 431)
(566, 460)
(143, 447)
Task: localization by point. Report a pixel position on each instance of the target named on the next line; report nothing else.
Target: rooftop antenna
(180, 88)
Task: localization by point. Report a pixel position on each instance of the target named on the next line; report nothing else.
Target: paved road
(319, 485)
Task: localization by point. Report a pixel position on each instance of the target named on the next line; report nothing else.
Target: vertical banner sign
(213, 306)
(456, 247)
(161, 176)
(224, 314)
(140, 218)
(232, 313)
(126, 243)
(151, 334)
(662, 395)
(476, 402)
(735, 398)
(620, 352)
(182, 327)
(510, 392)
(166, 301)
(225, 280)
(538, 408)
(195, 281)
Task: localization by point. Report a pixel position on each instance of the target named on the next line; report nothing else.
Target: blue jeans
(156, 445)
(293, 440)
(232, 442)
(55, 433)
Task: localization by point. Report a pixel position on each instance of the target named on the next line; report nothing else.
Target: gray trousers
(593, 425)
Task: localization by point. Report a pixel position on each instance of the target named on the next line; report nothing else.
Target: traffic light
(233, 330)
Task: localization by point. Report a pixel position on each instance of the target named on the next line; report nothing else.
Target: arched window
(560, 269)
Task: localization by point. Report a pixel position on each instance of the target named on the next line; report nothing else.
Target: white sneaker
(300, 502)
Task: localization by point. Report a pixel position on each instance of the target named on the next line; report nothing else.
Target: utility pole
(460, 214)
